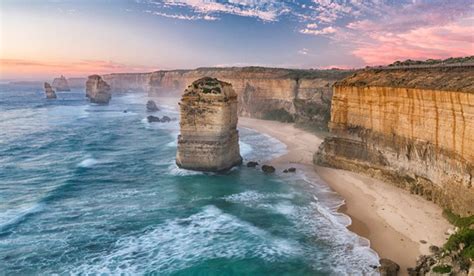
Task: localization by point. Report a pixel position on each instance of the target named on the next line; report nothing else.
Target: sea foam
(88, 163)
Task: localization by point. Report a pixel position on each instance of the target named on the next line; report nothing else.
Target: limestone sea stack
(48, 90)
(61, 84)
(209, 140)
(97, 90)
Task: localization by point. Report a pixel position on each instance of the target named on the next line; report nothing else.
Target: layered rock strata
(411, 127)
(48, 90)
(97, 90)
(208, 140)
(303, 96)
(61, 84)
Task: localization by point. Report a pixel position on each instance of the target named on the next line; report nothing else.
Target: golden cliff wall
(419, 139)
(303, 94)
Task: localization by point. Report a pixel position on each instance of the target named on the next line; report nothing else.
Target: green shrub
(442, 269)
(458, 220)
(279, 115)
(464, 235)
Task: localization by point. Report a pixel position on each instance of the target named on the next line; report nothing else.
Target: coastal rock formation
(208, 140)
(61, 84)
(154, 119)
(302, 96)
(97, 90)
(388, 268)
(151, 106)
(252, 164)
(411, 127)
(268, 169)
(48, 90)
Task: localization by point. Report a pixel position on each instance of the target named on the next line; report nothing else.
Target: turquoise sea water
(89, 189)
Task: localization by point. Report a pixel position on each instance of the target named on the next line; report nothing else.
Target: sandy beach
(399, 225)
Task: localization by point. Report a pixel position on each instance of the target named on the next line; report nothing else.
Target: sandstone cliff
(48, 90)
(302, 96)
(97, 90)
(412, 127)
(61, 84)
(208, 140)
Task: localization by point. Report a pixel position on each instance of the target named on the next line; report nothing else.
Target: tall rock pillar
(209, 140)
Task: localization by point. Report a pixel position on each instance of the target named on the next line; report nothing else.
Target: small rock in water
(165, 119)
(289, 170)
(125, 111)
(252, 164)
(268, 169)
(151, 106)
(153, 119)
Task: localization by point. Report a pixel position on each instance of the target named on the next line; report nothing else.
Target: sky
(45, 38)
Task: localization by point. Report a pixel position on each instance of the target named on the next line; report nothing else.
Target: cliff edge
(411, 127)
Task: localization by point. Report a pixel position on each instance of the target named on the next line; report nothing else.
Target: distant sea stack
(97, 90)
(209, 140)
(412, 127)
(48, 90)
(61, 84)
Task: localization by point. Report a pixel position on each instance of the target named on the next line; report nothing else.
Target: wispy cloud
(323, 31)
(265, 10)
(376, 31)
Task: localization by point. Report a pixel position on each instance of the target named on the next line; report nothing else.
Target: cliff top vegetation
(435, 78)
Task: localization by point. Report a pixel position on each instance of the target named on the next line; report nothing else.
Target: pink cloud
(454, 39)
(10, 68)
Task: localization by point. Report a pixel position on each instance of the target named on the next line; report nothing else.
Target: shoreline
(400, 226)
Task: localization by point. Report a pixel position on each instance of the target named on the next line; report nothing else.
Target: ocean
(90, 189)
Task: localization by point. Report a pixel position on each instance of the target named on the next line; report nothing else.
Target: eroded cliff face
(208, 140)
(304, 95)
(420, 139)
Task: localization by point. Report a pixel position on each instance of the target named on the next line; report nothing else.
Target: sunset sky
(45, 38)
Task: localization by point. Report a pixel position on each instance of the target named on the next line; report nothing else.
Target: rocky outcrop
(61, 84)
(302, 96)
(388, 268)
(48, 90)
(268, 169)
(411, 127)
(154, 119)
(208, 140)
(97, 90)
(151, 106)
